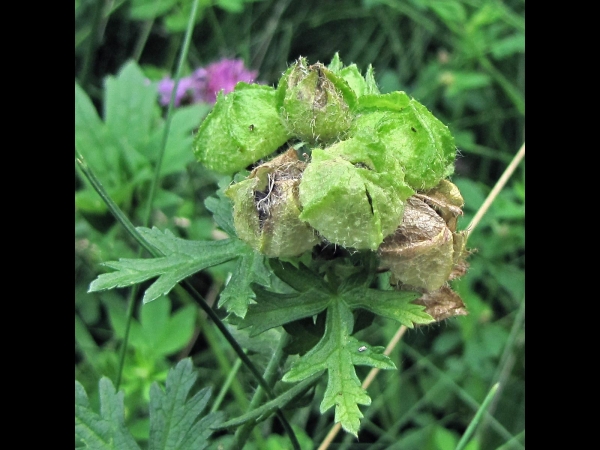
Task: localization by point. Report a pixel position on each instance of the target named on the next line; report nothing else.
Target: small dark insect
(413, 129)
(251, 127)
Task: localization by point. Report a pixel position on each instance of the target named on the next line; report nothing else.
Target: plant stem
(123, 350)
(163, 143)
(462, 394)
(471, 428)
(112, 206)
(142, 39)
(228, 381)
(91, 45)
(236, 347)
(242, 433)
(497, 188)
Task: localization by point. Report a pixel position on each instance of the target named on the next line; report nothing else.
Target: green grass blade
(478, 415)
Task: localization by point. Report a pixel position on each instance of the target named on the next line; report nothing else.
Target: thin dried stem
(497, 188)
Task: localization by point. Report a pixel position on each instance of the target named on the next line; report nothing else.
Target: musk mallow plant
(339, 208)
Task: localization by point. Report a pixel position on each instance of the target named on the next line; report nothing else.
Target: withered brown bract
(442, 304)
(426, 251)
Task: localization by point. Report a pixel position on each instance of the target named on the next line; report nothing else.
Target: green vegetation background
(463, 59)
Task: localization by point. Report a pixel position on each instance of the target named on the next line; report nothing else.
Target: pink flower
(187, 89)
(224, 75)
(204, 84)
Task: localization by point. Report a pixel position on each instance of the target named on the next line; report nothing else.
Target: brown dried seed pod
(266, 208)
(426, 251)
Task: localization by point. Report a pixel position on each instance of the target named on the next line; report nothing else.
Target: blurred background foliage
(463, 59)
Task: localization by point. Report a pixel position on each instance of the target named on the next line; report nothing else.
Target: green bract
(315, 103)
(421, 143)
(359, 84)
(242, 128)
(352, 193)
(266, 209)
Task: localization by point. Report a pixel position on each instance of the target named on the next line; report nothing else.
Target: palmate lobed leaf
(158, 332)
(182, 259)
(250, 267)
(274, 309)
(391, 304)
(173, 416)
(174, 423)
(337, 351)
(105, 430)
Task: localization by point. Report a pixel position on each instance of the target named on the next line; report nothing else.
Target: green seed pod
(266, 208)
(351, 195)
(243, 127)
(315, 103)
(421, 143)
(426, 251)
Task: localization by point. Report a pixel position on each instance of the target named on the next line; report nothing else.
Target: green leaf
(250, 267)
(233, 6)
(157, 331)
(130, 107)
(92, 139)
(149, 9)
(221, 208)
(371, 83)
(164, 333)
(173, 416)
(338, 353)
(177, 19)
(515, 43)
(274, 309)
(460, 81)
(105, 430)
(451, 12)
(177, 151)
(336, 64)
(182, 259)
(391, 304)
